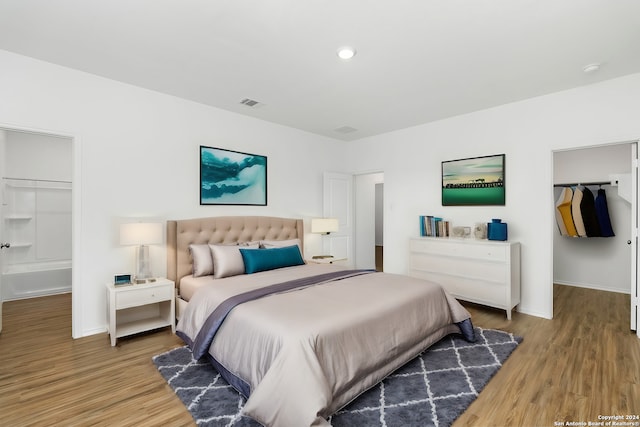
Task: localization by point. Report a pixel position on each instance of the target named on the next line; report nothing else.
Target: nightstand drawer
(147, 295)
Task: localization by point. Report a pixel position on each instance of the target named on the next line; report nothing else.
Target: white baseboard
(526, 311)
(594, 287)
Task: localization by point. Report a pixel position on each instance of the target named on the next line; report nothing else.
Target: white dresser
(481, 271)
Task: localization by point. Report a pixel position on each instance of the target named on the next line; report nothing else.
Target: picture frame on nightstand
(122, 280)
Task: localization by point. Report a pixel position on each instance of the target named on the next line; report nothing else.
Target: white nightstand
(138, 308)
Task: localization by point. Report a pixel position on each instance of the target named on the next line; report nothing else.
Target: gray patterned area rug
(431, 390)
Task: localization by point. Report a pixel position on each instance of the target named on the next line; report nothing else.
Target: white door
(633, 241)
(338, 203)
(3, 244)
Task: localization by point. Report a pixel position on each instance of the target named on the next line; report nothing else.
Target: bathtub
(36, 279)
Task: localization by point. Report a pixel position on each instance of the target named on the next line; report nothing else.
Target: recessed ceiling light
(591, 68)
(346, 53)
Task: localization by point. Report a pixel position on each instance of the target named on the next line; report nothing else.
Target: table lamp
(323, 226)
(141, 234)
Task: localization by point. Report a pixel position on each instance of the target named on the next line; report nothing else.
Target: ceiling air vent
(250, 103)
(345, 129)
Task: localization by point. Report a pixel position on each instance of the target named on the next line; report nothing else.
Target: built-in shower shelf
(20, 245)
(18, 217)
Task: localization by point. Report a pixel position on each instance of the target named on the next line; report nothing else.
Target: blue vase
(497, 230)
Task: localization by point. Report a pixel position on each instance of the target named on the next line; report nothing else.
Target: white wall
(527, 132)
(136, 155)
(597, 263)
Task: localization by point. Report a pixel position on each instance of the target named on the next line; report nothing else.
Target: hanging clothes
(589, 217)
(576, 212)
(559, 220)
(564, 206)
(602, 213)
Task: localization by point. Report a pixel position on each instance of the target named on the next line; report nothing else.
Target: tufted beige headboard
(222, 230)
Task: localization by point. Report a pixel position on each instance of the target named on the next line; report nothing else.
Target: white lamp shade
(141, 233)
(324, 225)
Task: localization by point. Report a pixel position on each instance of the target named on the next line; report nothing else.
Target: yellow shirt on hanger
(565, 210)
(576, 212)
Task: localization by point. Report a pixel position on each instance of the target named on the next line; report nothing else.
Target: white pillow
(202, 260)
(281, 243)
(227, 259)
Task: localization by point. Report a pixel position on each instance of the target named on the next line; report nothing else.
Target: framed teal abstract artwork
(232, 178)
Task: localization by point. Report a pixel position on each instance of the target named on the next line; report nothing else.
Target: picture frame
(474, 181)
(229, 177)
(122, 279)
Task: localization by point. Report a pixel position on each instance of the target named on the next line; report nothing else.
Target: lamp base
(143, 270)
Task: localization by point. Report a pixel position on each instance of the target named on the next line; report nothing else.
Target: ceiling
(417, 60)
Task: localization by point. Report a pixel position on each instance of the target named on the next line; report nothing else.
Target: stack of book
(433, 226)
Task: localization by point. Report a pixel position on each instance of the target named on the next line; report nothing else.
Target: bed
(298, 340)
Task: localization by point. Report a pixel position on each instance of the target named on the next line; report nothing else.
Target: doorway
(369, 223)
(379, 220)
(600, 263)
(36, 224)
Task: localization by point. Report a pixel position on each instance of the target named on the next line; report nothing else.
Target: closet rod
(587, 183)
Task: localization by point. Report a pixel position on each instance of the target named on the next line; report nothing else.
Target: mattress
(189, 285)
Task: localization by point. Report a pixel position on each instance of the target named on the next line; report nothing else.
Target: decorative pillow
(270, 259)
(202, 261)
(267, 244)
(227, 260)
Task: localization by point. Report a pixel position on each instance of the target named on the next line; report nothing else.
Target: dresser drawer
(467, 267)
(483, 251)
(490, 293)
(147, 295)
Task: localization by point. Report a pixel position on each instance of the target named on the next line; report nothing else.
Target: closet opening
(594, 205)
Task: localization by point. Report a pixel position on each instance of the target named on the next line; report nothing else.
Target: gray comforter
(305, 353)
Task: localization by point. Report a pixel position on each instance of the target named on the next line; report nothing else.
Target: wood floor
(379, 257)
(582, 364)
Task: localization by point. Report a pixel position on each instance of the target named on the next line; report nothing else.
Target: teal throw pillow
(256, 260)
